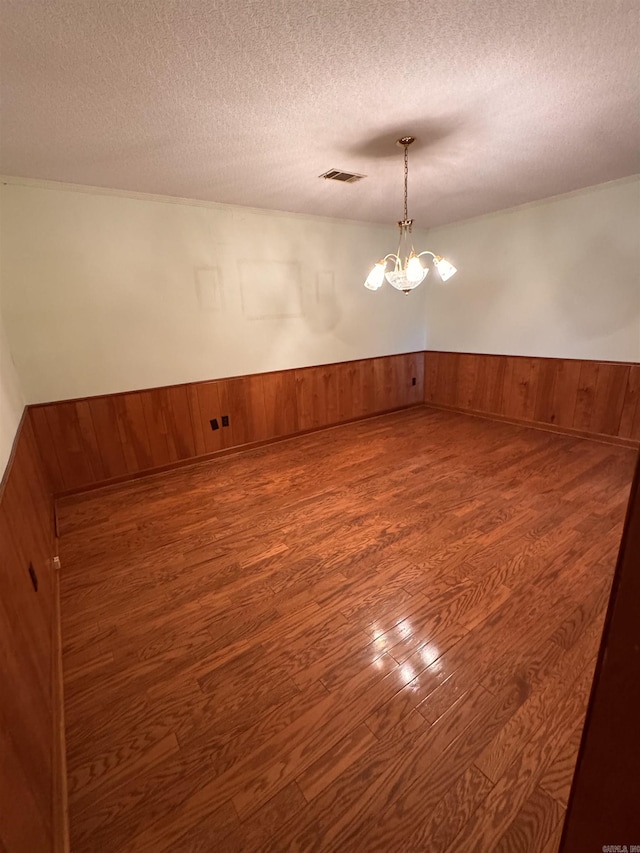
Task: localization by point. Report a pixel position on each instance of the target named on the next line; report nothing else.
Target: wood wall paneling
(565, 391)
(105, 438)
(355, 389)
(630, 417)
(411, 368)
(441, 374)
(48, 450)
(26, 625)
(610, 397)
(392, 381)
(306, 399)
(317, 396)
(487, 388)
(519, 389)
(110, 448)
(204, 399)
(65, 430)
(242, 400)
(178, 422)
(603, 804)
(595, 398)
(96, 440)
(23, 823)
(280, 404)
(156, 415)
(585, 395)
(383, 384)
(543, 407)
(133, 431)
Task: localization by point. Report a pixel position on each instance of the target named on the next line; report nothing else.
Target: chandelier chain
(406, 180)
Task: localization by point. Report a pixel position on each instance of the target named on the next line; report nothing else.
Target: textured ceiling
(248, 102)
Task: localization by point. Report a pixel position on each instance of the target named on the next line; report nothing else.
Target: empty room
(319, 426)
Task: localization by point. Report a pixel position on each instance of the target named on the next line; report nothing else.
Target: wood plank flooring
(379, 637)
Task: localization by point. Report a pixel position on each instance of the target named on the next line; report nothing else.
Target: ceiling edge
(39, 183)
(628, 179)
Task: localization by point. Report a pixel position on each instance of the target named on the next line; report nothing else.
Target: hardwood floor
(376, 637)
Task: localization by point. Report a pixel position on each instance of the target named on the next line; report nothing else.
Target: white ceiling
(248, 101)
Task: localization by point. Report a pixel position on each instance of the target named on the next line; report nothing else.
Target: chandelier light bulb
(404, 270)
(415, 270)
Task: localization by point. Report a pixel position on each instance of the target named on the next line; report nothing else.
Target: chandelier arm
(427, 252)
(392, 257)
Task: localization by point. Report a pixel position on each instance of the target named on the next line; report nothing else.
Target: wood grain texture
(26, 657)
(604, 794)
(280, 403)
(60, 805)
(98, 439)
(102, 439)
(377, 637)
(598, 399)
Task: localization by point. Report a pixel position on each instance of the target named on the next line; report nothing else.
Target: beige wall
(105, 292)
(11, 401)
(11, 398)
(558, 278)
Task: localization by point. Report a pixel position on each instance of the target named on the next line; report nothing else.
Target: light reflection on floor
(385, 641)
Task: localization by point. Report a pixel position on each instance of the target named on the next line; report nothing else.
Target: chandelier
(405, 270)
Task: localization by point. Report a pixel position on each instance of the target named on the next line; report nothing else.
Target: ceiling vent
(345, 177)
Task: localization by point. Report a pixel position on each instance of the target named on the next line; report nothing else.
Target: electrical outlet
(33, 576)
(225, 420)
(56, 562)
(214, 423)
(413, 380)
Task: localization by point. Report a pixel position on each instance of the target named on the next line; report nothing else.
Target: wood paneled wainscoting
(32, 775)
(115, 437)
(104, 439)
(590, 398)
(604, 793)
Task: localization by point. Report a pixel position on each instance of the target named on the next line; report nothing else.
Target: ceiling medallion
(404, 270)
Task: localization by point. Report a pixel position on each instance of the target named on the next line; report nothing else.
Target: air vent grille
(344, 177)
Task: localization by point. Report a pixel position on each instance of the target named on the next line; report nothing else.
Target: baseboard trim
(227, 451)
(60, 792)
(541, 425)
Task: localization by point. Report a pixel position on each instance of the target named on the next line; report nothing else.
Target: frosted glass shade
(445, 269)
(376, 277)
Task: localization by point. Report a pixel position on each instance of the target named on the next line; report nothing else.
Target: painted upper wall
(105, 292)
(11, 401)
(559, 278)
(11, 398)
